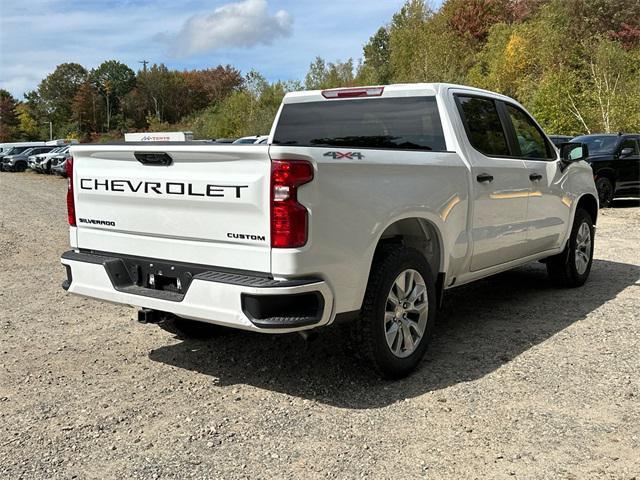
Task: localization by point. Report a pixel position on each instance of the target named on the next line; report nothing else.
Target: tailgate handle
(154, 158)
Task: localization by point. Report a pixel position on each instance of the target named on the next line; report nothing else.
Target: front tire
(398, 313)
(605, 192)
(571, 267)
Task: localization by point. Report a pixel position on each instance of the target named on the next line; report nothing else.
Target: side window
(529, 137)
(483, 125)
(630, 143)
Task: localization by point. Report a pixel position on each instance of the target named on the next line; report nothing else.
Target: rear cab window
(401, 123)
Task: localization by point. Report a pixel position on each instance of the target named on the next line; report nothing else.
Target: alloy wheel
(406, 313)
(583, 248)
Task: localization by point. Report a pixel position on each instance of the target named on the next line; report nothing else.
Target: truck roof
(398, 89)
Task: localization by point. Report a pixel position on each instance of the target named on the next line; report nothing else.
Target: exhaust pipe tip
(308, 335)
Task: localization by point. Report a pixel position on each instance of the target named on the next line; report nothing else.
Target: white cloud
(243, 24)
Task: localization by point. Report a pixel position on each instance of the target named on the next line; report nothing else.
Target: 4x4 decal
(347, 155)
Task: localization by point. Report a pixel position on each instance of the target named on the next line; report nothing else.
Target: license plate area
(161, 276)
(163, 282)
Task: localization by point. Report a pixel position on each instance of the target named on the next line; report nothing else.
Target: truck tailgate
(208, 206)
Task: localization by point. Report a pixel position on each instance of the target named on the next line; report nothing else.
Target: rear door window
(483, 126)
(407, 123)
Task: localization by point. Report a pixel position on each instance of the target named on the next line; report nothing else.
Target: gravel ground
(521, 380)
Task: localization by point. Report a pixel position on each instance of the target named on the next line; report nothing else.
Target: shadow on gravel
(482, 326)
(626, 203)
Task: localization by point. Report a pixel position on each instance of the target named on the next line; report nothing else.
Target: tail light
(289, 218)
(71, 206)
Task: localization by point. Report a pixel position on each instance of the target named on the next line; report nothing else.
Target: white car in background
(41, 163)
(251, 140)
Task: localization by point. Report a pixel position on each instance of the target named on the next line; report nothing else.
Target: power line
(144, 65)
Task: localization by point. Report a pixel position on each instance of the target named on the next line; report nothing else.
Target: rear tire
(571, 268)
(398, 312)
(605, 192)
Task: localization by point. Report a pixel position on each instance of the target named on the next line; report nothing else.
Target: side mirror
(626, 152)
(573, 152)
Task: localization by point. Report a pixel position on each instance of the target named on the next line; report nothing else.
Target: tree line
(575, 64)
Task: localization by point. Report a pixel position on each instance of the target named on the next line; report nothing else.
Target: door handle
(534, 177)
(484, 177)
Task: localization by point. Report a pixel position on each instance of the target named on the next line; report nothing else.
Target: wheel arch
(422, 234)
(589, 203)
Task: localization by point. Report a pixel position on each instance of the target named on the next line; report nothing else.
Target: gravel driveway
(521, 381)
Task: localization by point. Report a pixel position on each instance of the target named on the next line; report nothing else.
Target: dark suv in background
(615, 159)
(558, 140)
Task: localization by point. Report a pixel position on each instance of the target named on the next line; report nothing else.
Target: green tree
(316, 77)
(376, 67)
(406, 39)
(113, 80)
(322, 75)
(56, 93)
(610, 95)
(445, 56)
(28, 125)
(249, 111)
(8, 117)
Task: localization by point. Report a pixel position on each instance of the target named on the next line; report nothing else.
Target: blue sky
(276, 37)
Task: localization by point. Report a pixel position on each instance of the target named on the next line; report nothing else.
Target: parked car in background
(251, 140)
(18, 162)
(558, 140)
(12, 151)
(615, 160)
(5, 147)
(59, 164)
(41, 163)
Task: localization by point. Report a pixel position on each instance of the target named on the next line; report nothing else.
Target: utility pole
(144, 65)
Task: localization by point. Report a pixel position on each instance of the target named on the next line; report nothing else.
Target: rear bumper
(232, 299)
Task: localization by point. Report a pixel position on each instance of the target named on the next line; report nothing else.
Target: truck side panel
(352, 202)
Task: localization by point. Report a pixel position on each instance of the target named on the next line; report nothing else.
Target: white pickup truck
(365, 204)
